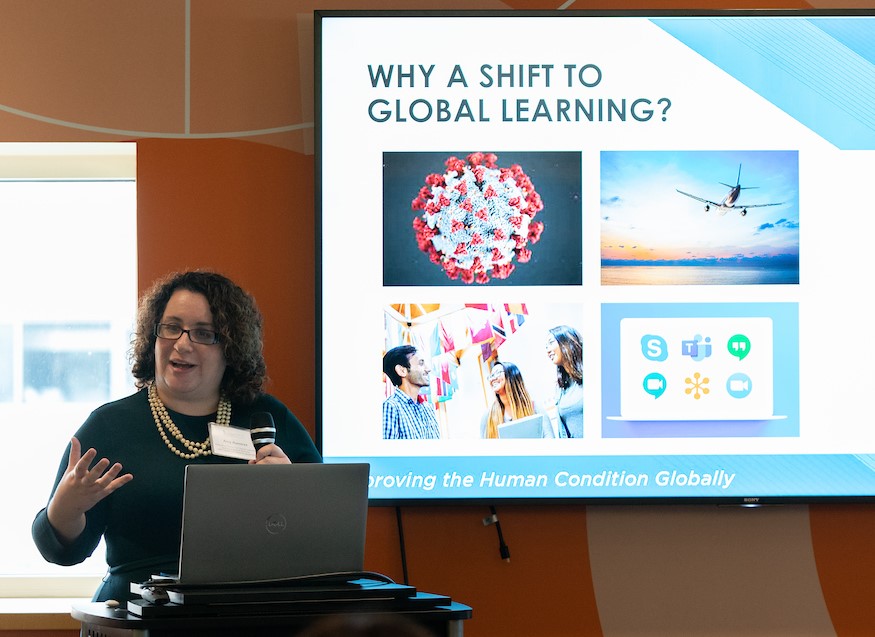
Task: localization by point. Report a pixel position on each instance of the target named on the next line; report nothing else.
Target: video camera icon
(738, 385)
(654, 384)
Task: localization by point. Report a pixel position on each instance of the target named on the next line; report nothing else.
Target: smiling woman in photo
(565, 350)
(512, 401)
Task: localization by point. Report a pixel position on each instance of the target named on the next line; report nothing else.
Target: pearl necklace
(163, 421)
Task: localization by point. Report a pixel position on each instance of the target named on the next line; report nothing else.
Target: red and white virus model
(477, 218)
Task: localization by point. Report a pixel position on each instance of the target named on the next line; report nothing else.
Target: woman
(197, 357)
(565, 350)
(512, 401)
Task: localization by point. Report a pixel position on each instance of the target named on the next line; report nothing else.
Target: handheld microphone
(262, 429)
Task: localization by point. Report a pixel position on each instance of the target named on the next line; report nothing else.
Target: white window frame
(112, 162)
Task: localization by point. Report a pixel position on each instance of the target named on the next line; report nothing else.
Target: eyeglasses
(199, 335)
(498, 373)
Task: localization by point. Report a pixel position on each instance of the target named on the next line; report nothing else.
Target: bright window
(68, 280)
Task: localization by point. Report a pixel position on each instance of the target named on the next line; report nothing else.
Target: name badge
(231, 442)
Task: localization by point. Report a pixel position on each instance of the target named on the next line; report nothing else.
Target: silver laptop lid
(526, 427)
(248, 523)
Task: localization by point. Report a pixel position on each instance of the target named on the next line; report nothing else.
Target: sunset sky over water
(644, 218)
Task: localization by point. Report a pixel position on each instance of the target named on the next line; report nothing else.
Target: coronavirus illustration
(478, 218)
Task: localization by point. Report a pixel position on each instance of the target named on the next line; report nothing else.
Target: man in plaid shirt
(404, 416)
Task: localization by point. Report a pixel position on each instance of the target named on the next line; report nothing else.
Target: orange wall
(245, 207)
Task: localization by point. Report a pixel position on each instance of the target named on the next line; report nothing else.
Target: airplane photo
(731, 198)
(651, 236)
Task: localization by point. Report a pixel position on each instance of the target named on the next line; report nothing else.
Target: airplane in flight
(730, 199)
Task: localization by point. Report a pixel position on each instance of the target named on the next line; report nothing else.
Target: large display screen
(597, 257)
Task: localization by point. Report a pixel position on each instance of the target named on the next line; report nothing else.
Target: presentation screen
(597, 256)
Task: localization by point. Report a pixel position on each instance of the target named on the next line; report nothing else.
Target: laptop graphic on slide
(696, 369)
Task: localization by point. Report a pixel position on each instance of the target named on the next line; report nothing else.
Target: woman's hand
(81, 487)
(270, 454)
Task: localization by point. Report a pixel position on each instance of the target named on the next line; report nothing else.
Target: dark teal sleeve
(47, 541)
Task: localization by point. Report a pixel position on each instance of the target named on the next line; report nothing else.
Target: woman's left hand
(270, 454)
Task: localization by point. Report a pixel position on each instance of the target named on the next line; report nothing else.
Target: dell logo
(275, 524)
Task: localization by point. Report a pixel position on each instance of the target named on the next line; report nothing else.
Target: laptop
(256, 523)
(527, 427)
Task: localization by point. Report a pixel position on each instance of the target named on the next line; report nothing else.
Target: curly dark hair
(236, 318)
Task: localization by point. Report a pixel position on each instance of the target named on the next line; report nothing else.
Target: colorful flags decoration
(450, 334)
(444, 377)
(481, 328)
(448, 343)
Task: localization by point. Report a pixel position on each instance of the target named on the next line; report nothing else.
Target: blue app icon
(739, 385)
(654, 348)
(697, 348)
(654, 384)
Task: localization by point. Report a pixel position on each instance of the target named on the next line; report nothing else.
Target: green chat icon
(739, 346)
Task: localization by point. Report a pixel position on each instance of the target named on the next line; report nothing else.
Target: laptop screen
(250, 523)
(527, 427)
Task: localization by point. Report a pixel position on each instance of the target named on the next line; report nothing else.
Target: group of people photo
(510, 386)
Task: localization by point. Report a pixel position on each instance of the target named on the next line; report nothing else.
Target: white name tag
(231, 442)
